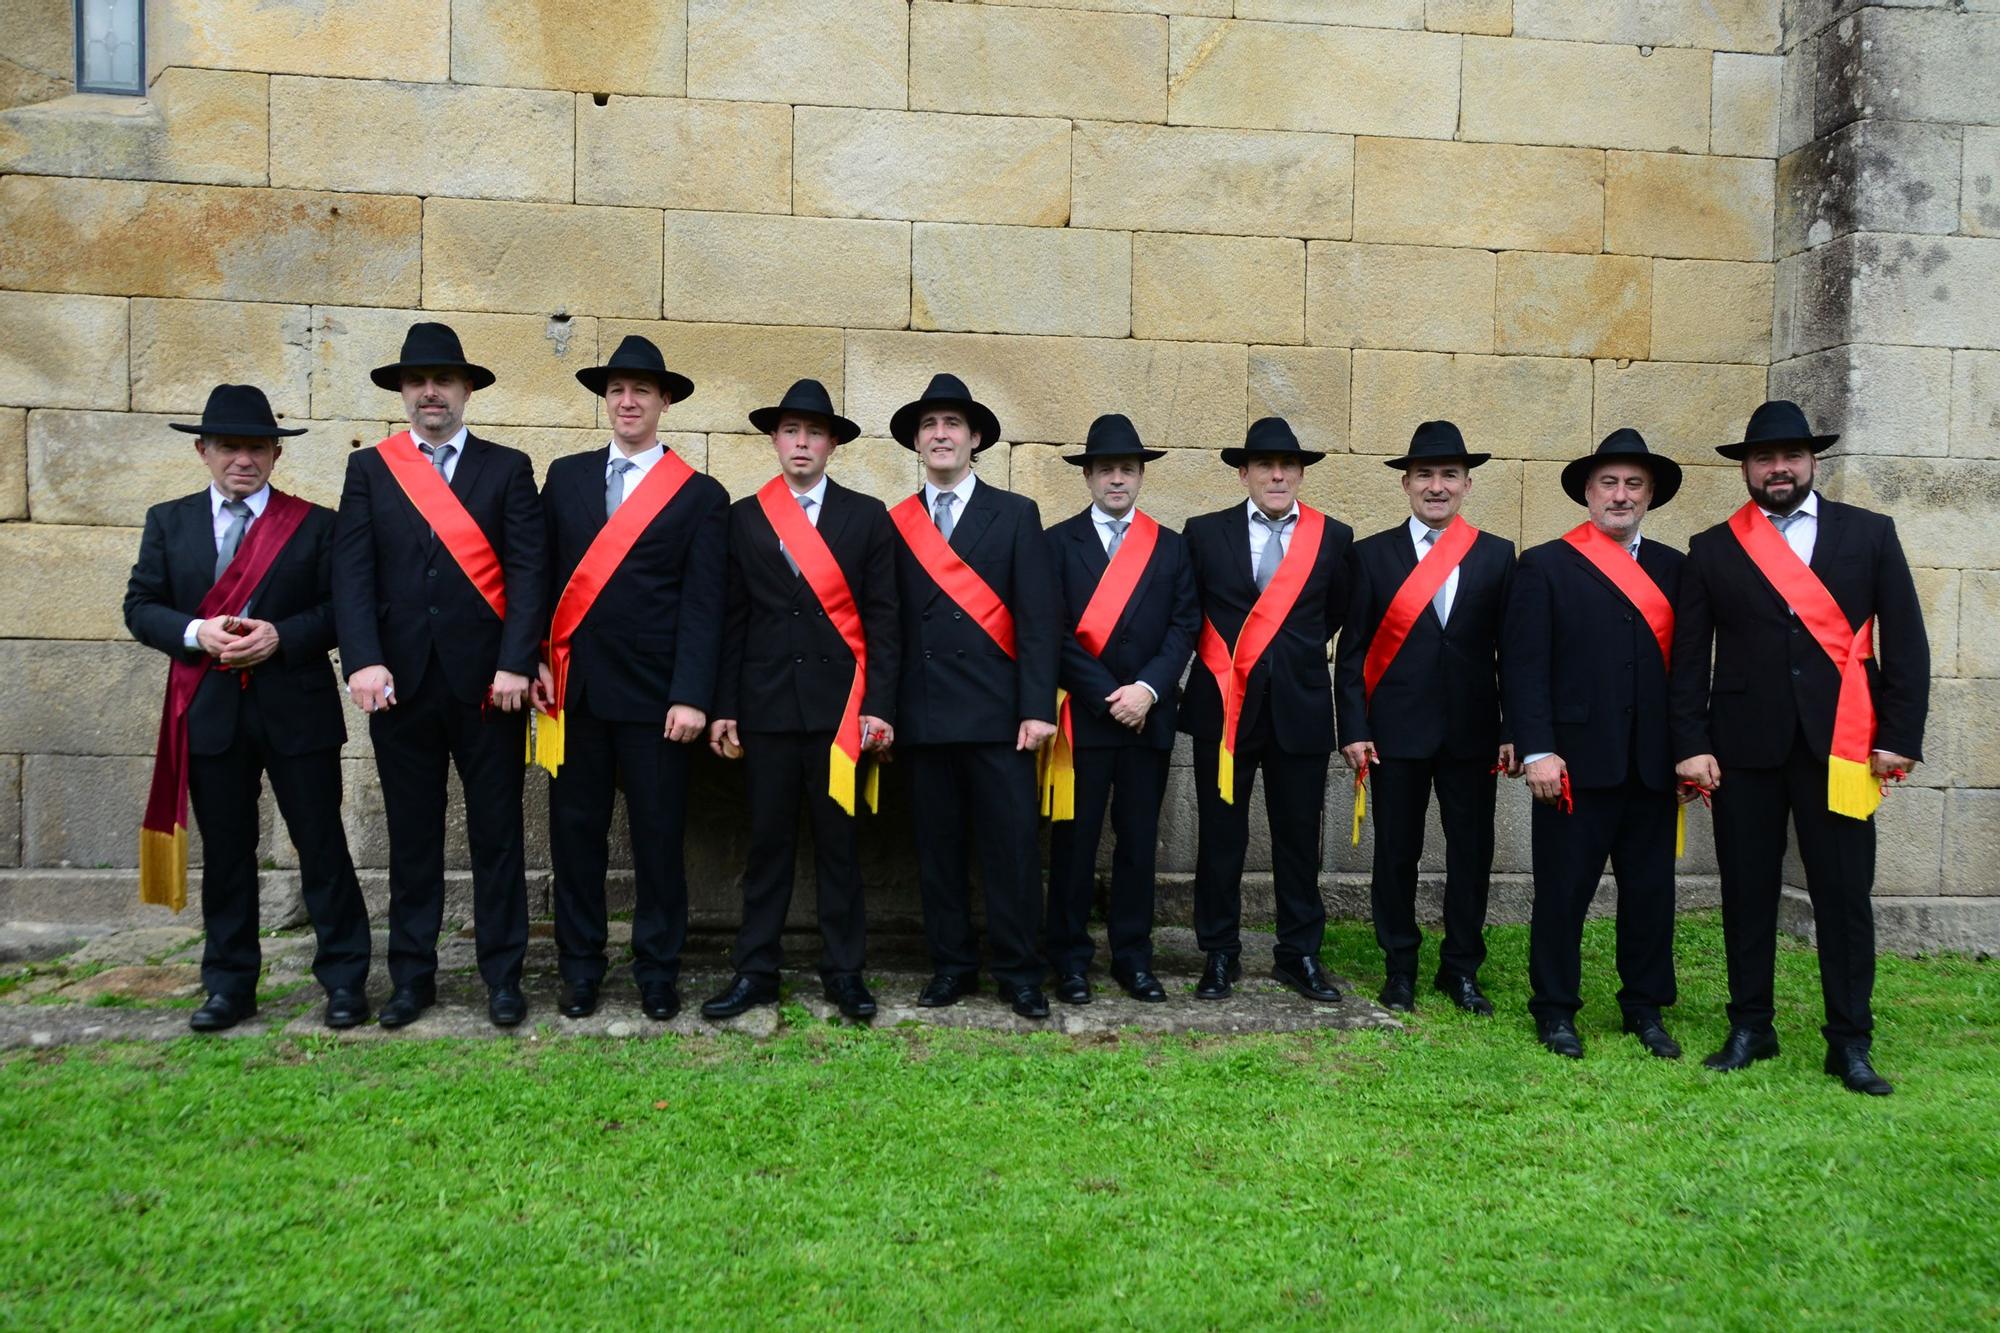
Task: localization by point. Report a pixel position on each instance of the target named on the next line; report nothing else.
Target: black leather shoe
(406, 1005)
(1028, 1001)
(346, 1007)
(1073, 988)
(1308, 977)
(660, 1000)
(1399, 992)
(1850, 1065)
(1559, 1035)
(220, 1012)
(741, 995)
(1742, 1048)
(1216, 975)
(578, 999)
(850, 995)
(506, 1006)
(1653, 1035)
(1463, 991)
(944, 989)
(1142, 985)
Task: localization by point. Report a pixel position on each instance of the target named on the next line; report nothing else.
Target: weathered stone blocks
(13, 462)
(1573, 305)
(1683, 410)
(1281, 76)
(1933, 64)
(1490, 18)
(87, 601)
(824, 52)
(1718, 25)
(1879, 400)
(1874, 175)
(755, 269)
(1743, 111)
(737, 368)
(1942, 509)
(1975, 404)
(1577, 93)
(1711, 310)
(1192, 179)
(355, 39)
(1889, 289)
(1687, 207)
(545, 258)
(669, 152)
(533, 357)
(1524, 406)
(1305, 385)
(63, 351)
(1491, 196)
(574, 45)
(1418, 297)
(1021, 280)
(1979, 183)
(56, 693)
(1218, 288)
(930, 167)
(182, 349)
(198, 125)
(998, 60)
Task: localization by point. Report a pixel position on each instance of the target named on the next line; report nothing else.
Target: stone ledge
(1912, 925)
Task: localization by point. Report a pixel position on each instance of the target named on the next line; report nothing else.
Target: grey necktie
(1439, 603)
(441, 455)
(1274, 548)
(1783, 522)
(232, 536)
(806, 508)
(941, 513)
(1117, 527)
(614, 489)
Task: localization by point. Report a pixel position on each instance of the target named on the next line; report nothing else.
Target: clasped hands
(237, 642)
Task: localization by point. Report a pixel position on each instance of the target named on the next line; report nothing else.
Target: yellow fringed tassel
(1360, 808)
(1225, 774)
(871, 785)
(1851, 789)
(1680, 830)
(1055, 767)
(163, 867)
(840, 777)
(545, 742)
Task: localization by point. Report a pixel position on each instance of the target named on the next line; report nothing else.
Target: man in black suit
(1584, 679)
(635, 619)
(1769, 732)
(1417, 688)
(976, 695)
(439, 610)
(793, 691)
(1127, 641)
(1278, 713)
(267, 704)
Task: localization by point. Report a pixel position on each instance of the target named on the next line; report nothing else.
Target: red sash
(823, 575)
(1410, 600)
(163, 830)
(958, 580)
(445, 513)
(608, 549)
(1232, 668)
(1101, 615)
(1851, 788)
(1616, 563)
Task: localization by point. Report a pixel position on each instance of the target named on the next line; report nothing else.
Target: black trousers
(223, 790)
(1294, 795)
(993, 785)
(598, 758)
(1839, 855)
(1401, 800)
(427, 730)
(1633, 825)
(782, 772)
(1132, 781)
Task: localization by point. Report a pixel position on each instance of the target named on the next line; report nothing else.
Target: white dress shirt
(1803, 534)
(457, 443)
(1418, 531)
(963, 491)
(1100, 523)
(1259, 534)
(220, 522)
(642, 463)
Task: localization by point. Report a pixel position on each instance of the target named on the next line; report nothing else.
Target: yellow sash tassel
(1680, 830)
(1851, 789)
(1360, 807)
(1225, 773)
(1055, 765)
(545, 741)
(163, 867)
(842, 778)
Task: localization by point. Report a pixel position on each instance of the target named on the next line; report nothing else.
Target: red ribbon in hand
(1567, 801)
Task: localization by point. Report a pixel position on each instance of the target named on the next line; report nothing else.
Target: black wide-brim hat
(637, 356)
(945, 390)
(1272, 436)
(1437, 442)
(425, 346)
(237, 409)
(1776, 422)
(806, 398)
(1113, 436)
(1629, 444)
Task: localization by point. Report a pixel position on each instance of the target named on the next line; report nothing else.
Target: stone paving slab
(39, 941)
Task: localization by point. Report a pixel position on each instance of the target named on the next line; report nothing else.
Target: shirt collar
(1808, 506)
(963, 491)
(1250, 507)
(1418, 529)
(256, 501)
(1100, 518)
(642, 461)
(817, 493)
(456, 441)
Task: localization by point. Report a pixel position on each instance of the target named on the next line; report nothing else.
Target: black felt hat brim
(1113, 455)
(1741, 450)
(1403, 464)
(391, 377)
(903, 425)
(766, 419)
(244, 429)
(1665, 471)
(1242, 457)
(597, 378)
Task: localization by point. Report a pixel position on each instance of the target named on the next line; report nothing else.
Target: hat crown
(431, 344)
(1437, 439)
(944, 384)
(1779, 419)
(636, 353)
(1113, 433)
(807, 395)
(239, 403)
(1624, 440)
(1270, 435)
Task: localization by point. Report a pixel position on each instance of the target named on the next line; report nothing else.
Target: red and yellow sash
(163, 830)
(446, 514)
(1100, 617)
(614, 541)
(823, 575)
(1232, 668)
(958, 580)
(1851, 788)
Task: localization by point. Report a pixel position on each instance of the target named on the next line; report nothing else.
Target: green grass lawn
(1451, 1174)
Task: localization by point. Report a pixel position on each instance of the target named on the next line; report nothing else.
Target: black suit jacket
(1441, 694)
(1151, 642)
(785, 667)
(398, 595)
(295, 688)
(1770, 676)
(1580, 669)
(956, 685)
(653, 637)
(1291, 679)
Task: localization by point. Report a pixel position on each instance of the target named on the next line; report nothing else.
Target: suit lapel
(979, 513)
(835, 511)
(589, 492)
(1826, 542)
(1089, 547)
(1239, 536)
(194, 544)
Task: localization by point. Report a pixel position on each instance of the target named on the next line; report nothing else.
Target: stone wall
(1542, 218)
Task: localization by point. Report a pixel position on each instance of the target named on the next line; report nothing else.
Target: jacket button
(800, 658)
(434, 611)
(961, 652)
(958, 615)
(927, 615)
(1796, 671)
(821, 613)
(430, 573)
(927, 654)
(1628, 710)
(795, 610)
(1628, 620)
(823, 657)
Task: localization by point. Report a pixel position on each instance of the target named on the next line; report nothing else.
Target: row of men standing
(807, 630)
